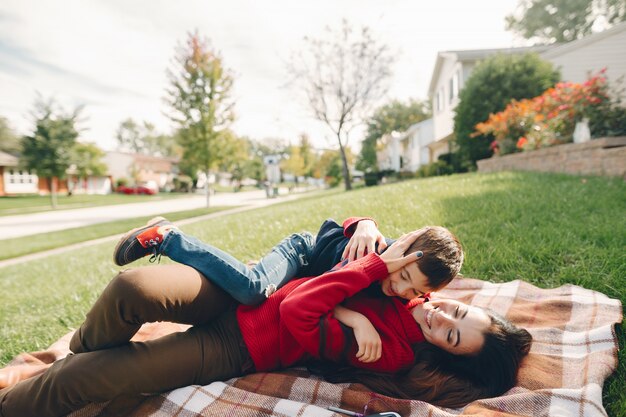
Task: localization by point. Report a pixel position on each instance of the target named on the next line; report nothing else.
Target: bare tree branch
(342, 76)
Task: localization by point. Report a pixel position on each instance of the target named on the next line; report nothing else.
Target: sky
(111, 56)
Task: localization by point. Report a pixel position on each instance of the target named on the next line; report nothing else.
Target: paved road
(49, 221)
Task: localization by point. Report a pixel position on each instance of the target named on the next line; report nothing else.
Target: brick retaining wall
(603, 156)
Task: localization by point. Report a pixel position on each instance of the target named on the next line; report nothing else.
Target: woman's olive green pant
(105, 365)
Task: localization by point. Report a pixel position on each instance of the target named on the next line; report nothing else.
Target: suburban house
(576, 60)
(452, 69)
(405, 151)
(91, 184)
(138, 168)
(15, 180)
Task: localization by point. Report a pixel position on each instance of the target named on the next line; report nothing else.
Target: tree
(199, 95)
(255, 168)
(233, 154)
(342, 77)
(129, 136)
(330, 166)
(308, 156)
(395, 115)
(158, 144)
(492, 84)
(143, 138)
(9, 140)
(294, 163)
(550, 21)
(86, 159)
(48, 150)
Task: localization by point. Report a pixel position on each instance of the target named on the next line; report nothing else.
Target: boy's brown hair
(442, 255)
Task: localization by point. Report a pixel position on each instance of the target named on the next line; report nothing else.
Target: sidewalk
(251, 202)
(50, 221)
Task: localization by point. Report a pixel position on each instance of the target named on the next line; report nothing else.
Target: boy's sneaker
(141, 242)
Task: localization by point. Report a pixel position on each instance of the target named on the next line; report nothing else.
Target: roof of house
(7, 160)
(471, 55)
(587, 40)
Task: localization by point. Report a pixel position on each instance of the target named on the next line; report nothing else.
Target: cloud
(113, 54)
(19, 61)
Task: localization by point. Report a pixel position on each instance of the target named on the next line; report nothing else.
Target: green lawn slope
(546, 229)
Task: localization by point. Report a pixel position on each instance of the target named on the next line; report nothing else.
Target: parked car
(147, 188)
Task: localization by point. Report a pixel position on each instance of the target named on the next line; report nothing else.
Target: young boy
(439, 252)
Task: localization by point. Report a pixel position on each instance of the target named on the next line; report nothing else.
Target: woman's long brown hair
(448, 380)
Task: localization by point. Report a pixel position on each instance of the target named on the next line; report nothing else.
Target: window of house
(450, 90)
(440, 99)
(19, 177)
(454, 86)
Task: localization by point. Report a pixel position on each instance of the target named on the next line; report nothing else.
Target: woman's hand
(394, 256)
(367, 338)
(364, 240)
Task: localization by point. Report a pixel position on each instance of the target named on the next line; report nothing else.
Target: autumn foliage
(547, 119)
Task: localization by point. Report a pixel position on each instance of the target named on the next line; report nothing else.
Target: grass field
(546, 229)
(33, 204)
(36, 243)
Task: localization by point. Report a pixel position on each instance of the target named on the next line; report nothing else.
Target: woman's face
(453, 326)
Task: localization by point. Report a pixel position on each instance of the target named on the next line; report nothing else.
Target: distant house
(138, 168)
(14, 180)
(575, 60)
(578, 58)
(92, 184)
(452, 69)
(405, 151)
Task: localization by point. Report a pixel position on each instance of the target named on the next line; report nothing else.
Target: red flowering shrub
(548, 119)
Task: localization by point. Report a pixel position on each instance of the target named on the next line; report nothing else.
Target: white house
(452, 69)
(388, 152)
(13, 179)
(578, 58)
(406, 151)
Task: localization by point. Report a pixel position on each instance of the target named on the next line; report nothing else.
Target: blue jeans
(247, 285)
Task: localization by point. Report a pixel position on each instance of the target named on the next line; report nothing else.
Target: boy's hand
(394, 257)
(364, 240)
(368, 340)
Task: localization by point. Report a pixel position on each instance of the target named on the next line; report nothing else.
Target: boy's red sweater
(296, 323)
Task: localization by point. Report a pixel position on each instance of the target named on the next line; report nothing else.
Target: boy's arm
(307, 311)
(367, 338)
(364, 235)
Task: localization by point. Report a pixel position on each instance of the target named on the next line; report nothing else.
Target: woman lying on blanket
(294, 325)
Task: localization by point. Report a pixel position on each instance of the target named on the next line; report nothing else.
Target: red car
(137, 189)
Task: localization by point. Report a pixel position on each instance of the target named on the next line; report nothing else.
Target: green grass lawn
(33, 203)
(546, 229)
(36, 243)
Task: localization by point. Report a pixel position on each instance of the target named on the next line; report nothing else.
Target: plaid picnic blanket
(574, 351)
